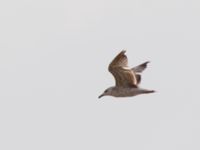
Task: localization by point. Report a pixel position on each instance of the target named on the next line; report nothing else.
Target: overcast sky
(53, 66)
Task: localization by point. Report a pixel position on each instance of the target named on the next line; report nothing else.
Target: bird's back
(128, 92)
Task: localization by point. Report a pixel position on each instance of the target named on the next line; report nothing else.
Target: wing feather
(124, 76)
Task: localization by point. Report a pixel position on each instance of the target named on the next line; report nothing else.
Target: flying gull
(126, 79)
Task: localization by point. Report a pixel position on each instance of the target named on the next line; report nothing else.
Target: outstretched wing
(124, 76)
(140, 68)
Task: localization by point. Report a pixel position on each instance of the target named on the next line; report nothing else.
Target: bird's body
(127, 91)
(126, 79)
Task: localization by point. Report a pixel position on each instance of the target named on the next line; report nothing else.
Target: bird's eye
(106, 91)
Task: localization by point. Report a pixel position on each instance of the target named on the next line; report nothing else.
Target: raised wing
(140, 68)
(124, 76)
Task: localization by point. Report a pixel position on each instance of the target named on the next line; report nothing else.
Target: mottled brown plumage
(124, 76)
(126, 79)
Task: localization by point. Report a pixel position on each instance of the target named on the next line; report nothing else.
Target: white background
(53, 66)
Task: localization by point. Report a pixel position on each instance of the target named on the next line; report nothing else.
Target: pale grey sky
(53, 66)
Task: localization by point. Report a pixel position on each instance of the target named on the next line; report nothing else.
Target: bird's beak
(101, 95)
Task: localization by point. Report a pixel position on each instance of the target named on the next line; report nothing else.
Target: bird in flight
(126, 79)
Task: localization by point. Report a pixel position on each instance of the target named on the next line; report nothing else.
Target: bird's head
(107, 92)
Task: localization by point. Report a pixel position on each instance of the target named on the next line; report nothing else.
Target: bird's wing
(124, 76)
(140, 68)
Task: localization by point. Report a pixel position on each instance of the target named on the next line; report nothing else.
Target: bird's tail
(149, 91)
(140, 68)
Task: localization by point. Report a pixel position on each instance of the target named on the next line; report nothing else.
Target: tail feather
(149, 91)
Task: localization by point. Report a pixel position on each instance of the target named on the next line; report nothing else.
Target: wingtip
(147, 62)
(123, 51)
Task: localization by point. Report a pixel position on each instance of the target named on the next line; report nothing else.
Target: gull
(126, 79)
